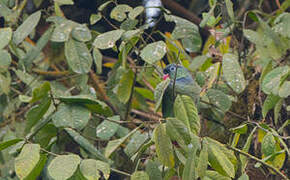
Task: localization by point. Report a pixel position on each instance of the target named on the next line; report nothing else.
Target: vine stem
(258, 160)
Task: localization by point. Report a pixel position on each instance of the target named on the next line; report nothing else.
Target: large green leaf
(178, 131)
(63, 166)
(213, 175)
(81, 33)
(152, 170)
(27, 160)
(107, 129)
(85, 144)
(78, 56)
(282, 24)
(107, 40)
(203, 159)
(69, 115)
(136, 12)
(136, 141)
(125, 86)
(272, 80)
(219, 99)
(268, 144)
(5, 36)
(153, 52)
(139, 175)
(219, 160)
(163, 145)
(40, 92)
(185, 110)
(233, 72)
(98, 59)
(26, 27)
(284, 89)
(90, 169)
(189, 171)
(5, 59)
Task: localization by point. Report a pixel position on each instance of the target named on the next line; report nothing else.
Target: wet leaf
(153, 52)
(233, 73)
(27, 160)
(5, 36)
(107, 40)
(119, 12)
(63, 166)
(269, 104)
(26, 27)
(136, 141)
(62, 31)
(78, 56)
(163, 145)
(159, 91)
(85, 144)
(81, 33)
(90, 169)
(139, 175)
(73, 116)
(185, 110)
(219, 99)
(272, 80)
(107, 129)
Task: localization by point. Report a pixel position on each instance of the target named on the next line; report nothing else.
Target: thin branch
(120, 172)
(147, 115)
(258, 160)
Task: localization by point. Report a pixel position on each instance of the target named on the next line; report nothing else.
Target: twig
(51, 73)
(258, 160)
(120, 172)
(147, 115)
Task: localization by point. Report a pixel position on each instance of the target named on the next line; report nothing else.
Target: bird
(181, 82)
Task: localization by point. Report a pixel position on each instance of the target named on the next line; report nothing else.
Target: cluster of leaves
(59, 120)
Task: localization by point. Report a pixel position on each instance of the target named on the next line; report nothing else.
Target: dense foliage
(81, 98)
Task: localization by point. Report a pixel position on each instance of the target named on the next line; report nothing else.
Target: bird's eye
(172, 69)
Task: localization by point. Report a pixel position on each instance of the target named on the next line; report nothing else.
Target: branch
(152, 116)
(258, 160)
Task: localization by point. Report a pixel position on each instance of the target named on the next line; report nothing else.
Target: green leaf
(163, 145)
(45, 134)
(107, 129)
(78, 56)
(187, 32)
(63, 166)
(244, 176)
(6, 144)
(105, 4)
(84, 143)
(61, 32)
(284, 89)
(5, 60)
(114, 144)
(81, 33)
(5, 36)
(136, 141)
(36, 113)
(64, 2)
(153, 52)
(269, 104)
(197, 62)
(230, 9)
(152, 170)
(219, 99)
(98, 59)
(119, 12)
(108, 39)
(159, 91)
(185, 110)
(73, 116)
(203, 159)
(90, 169)
(178, 131)
(242, 129)
(219, 160)
(26, 27)
(189, 171)
(136, 12)
(95, 18)
(272, 80)
(233, 72)
(213, 175)
(40, 92)
(268, 144)
(27, 160)
(34, 174)
(139, 175)
(281, 24)
(125, 86)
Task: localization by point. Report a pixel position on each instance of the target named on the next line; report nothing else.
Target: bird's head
(171, 69)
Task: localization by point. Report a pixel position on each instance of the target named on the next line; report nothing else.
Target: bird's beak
(165, 76)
